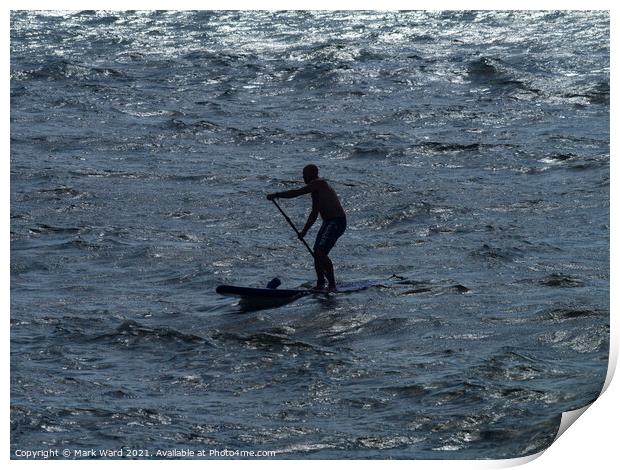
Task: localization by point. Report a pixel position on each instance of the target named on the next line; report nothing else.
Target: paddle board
(238, 291)
(253, 297)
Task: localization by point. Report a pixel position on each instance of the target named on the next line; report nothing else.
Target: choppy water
(471, 152)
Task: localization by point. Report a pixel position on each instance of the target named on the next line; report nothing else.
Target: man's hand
(272, 196)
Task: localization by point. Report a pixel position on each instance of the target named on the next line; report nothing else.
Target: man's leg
(329, 273)
(318, 261)
(325, 267)
(320, 276)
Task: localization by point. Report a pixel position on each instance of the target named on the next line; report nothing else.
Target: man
(325, 202)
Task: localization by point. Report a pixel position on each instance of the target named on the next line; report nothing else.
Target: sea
(470, 150)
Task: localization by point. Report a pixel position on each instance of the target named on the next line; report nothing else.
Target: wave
(238, 135)
(196, 277)
(132, 333)
(44, 229)
(325, 64)
(597, 94)
(510, 365)
(492, 72)
(580, 338)
(494, 254)
(18, 268)
(590, 163)
(375, 150)
(482, 68)
(560, 280)
(63, 191)
(317, 75)
(92, 172)
(202, 124)
(98, 18)
(225, 59)
(458, 147)
(270, 340)
(335, 53)
(406, 391)
(406, 214)
(558, 157)
(62, 69)
(572, 313)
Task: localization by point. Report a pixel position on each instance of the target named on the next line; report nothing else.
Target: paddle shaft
(290, 222)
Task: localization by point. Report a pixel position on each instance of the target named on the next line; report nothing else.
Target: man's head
(311, 172)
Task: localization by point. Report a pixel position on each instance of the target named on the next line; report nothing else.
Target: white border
(591, 443)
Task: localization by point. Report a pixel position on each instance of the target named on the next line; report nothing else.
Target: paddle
(294, 228)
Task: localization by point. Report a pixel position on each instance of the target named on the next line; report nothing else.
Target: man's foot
(320, 286)
(331, 288)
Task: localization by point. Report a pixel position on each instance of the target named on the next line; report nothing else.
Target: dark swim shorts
(329, 232)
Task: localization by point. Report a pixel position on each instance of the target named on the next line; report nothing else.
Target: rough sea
(470, 151)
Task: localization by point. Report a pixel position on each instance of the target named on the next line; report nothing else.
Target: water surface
(470, 150)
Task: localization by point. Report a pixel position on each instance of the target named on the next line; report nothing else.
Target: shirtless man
(325, 202)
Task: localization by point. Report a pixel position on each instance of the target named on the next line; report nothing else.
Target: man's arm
(293, 192)
(311, 218)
